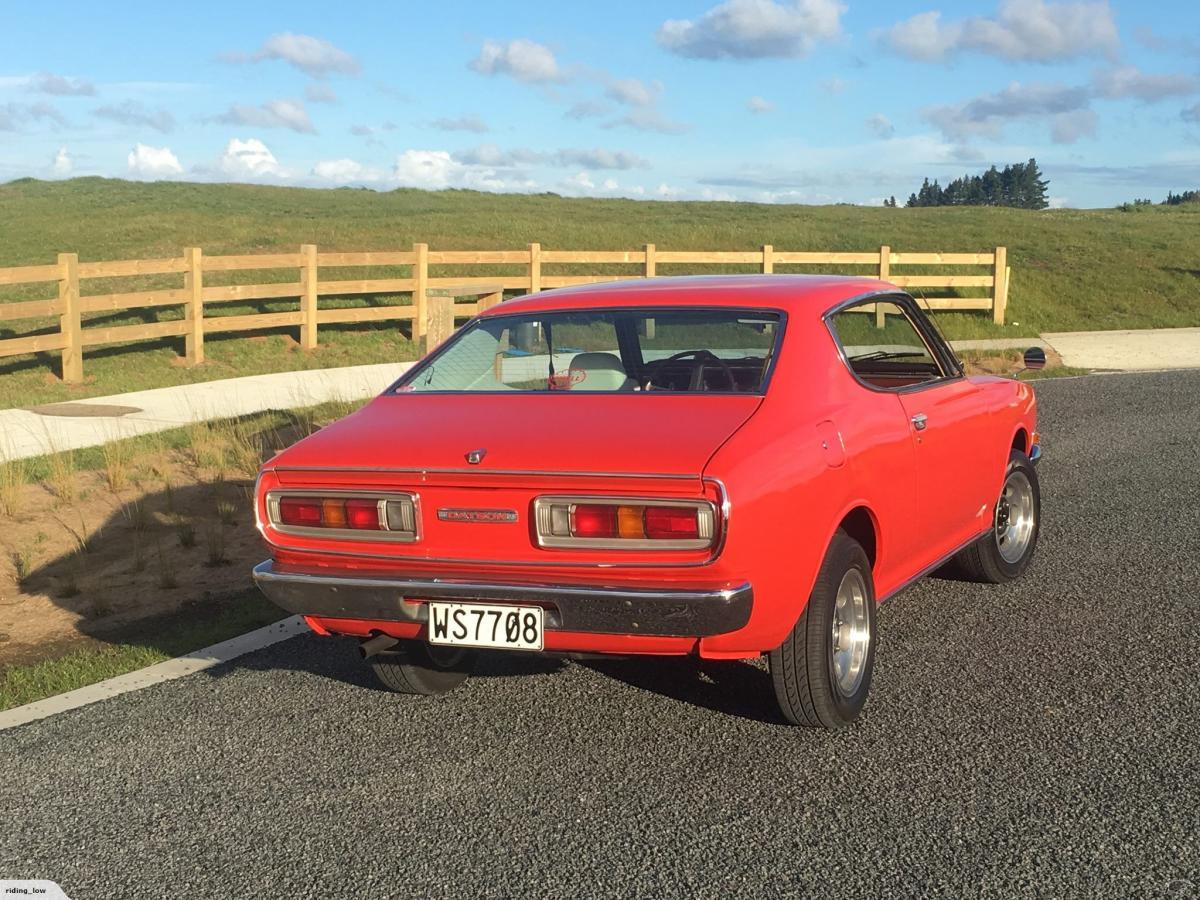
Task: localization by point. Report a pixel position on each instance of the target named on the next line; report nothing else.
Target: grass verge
(128, 649)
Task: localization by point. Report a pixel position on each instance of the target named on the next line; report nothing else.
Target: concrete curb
(181, 666)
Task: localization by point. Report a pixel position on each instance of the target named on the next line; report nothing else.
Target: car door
(896, 351)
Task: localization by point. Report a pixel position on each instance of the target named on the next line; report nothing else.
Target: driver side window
(883, 346)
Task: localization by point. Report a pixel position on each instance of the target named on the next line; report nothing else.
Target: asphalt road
(1037, 739)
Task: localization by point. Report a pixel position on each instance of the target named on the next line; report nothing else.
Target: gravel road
(1037, 739)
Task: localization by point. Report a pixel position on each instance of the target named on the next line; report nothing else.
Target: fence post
(651, 262)
(885, 272)
(441, 322)
(768, 259)
(308, 297)
(69, 321)
(487, 301)
(535, 268)
(1000, 285)
(193, 310)
(420, 287)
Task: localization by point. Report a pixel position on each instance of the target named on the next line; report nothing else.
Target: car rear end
(538, 484)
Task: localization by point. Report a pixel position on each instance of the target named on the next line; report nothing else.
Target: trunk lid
(537, 433)
(616, 445)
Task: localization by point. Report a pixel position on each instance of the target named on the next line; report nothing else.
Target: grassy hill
(1072, 269)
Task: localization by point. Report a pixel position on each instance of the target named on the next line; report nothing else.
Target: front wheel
(418, 668)
(1003, 554)
(822, 670)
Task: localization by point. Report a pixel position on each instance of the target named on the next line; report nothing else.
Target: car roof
(793, 293)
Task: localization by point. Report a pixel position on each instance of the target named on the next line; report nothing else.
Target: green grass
(1072, 269)
(145, 644)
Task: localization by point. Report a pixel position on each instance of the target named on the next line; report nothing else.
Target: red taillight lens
(672, 522)
(633, 524)
(591, 520)
(392, 514)
(302, 511)
(362, 515)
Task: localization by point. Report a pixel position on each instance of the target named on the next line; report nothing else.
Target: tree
(1019, 184)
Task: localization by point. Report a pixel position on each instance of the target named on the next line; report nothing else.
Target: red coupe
(717, 466)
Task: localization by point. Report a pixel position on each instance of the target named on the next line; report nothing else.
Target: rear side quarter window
(884, 346)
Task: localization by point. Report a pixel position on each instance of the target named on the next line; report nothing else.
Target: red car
(721, 467)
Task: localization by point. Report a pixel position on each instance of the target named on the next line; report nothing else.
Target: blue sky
(809, 101)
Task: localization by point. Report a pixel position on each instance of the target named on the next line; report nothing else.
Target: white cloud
(1130, 82)
(753, 29)
(135, 115)
(1069, 127)
(1034, 30)
(522, 59)
(14, 114)
(666, 191)
(610, 184)
(153, 162)
(987, 115)
(758, 105)
(632, 92)
(588, 109)
(881, 126)
(249, 159)
(648, 118)
(318, 92)
(581, 181)
(473, 124)
(312, 56)
(346, 171)
(437, 169)
(595, 158)
(61, 86)
(290, 114)
(62, 164)
(834, 86)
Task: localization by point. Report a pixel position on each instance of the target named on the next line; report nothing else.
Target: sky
(774, 101)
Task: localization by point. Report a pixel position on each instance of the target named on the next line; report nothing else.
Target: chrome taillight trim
(543, 513)
(408, 514)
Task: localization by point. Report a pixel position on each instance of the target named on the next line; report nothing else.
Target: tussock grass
(14, 476)
(62, 480)
(118, 464)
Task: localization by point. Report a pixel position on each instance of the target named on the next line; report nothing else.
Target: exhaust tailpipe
(377, 644)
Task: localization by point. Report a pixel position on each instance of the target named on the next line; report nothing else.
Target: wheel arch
(860, 523)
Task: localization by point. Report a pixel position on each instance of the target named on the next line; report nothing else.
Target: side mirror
(1035, 358)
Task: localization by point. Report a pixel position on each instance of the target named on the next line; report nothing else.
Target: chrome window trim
(556, 542)
(903, 300)
(385, 534)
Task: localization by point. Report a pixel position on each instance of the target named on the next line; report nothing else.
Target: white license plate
(486, 625)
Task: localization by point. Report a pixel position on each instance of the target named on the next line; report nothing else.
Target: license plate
(486, 625)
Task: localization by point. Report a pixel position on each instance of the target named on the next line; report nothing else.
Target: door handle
(919, 421)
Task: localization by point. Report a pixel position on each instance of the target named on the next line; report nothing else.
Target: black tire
(984, 561)
(803, 668)
(415, 667)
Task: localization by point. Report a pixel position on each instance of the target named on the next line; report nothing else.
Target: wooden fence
(435, 300)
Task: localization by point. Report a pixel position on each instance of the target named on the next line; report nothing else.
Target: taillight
(624, 524)
(367, 516)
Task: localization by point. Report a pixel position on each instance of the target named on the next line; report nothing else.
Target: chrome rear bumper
(604, 610)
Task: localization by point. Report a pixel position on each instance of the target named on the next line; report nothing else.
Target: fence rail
(435, 301)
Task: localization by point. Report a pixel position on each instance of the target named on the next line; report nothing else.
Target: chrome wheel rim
(851, 632)
(1015, 517)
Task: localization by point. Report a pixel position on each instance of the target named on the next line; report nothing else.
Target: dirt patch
(1003, 363)
(84, 410)
(77, 567)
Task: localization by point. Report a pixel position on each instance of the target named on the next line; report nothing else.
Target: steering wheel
(696, 378)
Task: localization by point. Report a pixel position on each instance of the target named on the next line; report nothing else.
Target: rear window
(609, 351)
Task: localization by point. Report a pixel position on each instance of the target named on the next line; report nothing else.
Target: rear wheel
(415, 667)
(1004, 553)
(822, 670)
